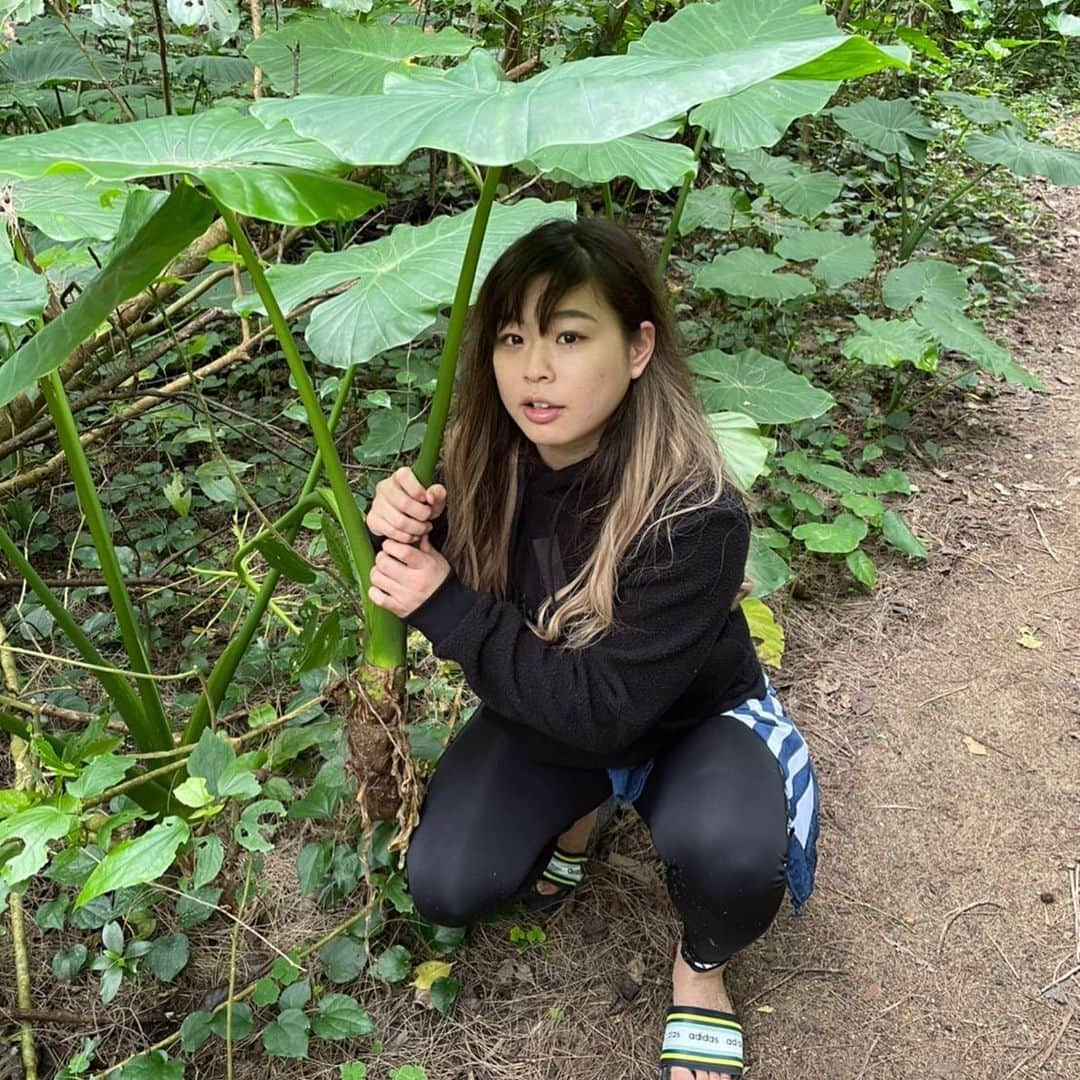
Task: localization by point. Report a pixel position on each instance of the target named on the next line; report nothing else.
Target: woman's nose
(537, 364)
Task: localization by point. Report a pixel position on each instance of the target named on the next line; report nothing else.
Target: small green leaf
(154, 1066)
(168, 957)
(342, 959)
(211, 755)
(295, 996)
(287, 1036)
(193, 792)
(250, 832)
(718, 207)
(67, 963)
(862, 568)
(209, 855)
(744, 449)
(394, 964)
(195, 906)
(285, 560)
(865, 506)
(766, 632)
(409, 1072)
(136, 861)
(896, 531)
(444, 992)
(102, 772)
(34, 828)
(340, 1017)
(242, 1020)
(354, 1070)
(838, 536)
(194, 1031)
(265, 992)
(322, 645)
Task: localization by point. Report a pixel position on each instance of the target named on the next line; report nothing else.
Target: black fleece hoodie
(674, 655)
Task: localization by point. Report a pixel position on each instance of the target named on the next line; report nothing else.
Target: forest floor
(943, 939)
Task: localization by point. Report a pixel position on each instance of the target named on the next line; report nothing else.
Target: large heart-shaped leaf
(836, 537)
(1023, 156)
(326, 54)
(132, 266)
(979, 110)
(767, 570)
(30, 66)
(742, 446)
(760, 386)
(891, 127)
(837, 258)
(401, 280)
(938, 283)
(795, 187)
(759, 115)
(964, 335)
(652, 164)
(717, 206)
(890, 343)
(753, 273)
(23, 293)
(267, 173)
(18, 11)
(67, 206)
(473, 110)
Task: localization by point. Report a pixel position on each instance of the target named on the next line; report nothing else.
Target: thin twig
(163, 57)
(1038, 525)
(255, 7)
(1050, 1049)
(944, 694)
(955, 914)
(125, 108)
(792, 975)
(1060, 979)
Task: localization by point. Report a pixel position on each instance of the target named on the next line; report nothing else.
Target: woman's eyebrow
(566, 313)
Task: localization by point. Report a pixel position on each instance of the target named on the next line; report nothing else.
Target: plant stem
(152, 730)
(163, 57)
(609, 205)
(385, 638)
(905, 222)
(916, 236)
(676, 214)
(232, 974)
(221, 674)
(424, 468)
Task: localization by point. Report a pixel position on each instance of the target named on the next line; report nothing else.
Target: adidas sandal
(564, 869)
(705, 1041)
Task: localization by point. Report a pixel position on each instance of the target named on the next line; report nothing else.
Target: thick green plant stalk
(151, 731)
(221, 675)
(444, 386)
(676, 214)
(386, 633)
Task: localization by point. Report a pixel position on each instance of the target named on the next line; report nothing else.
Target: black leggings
(714, 804)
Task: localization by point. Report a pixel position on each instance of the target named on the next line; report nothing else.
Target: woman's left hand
(405, 575)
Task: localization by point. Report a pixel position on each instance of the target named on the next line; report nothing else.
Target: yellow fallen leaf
(427, 972)
(765, 1009)
(974, 746)
(1027, 638)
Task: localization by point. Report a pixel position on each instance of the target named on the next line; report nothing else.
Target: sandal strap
(565, 868)
(703, 1039)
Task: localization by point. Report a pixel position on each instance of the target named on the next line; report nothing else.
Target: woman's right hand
(403, 508)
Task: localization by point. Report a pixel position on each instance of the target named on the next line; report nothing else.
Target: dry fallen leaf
(427, 972)
(974, 746)
(1027, 638)
(765, 1009)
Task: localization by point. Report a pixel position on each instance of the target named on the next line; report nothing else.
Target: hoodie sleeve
(670, 611)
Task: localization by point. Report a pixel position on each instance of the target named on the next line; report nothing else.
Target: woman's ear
(641, 348)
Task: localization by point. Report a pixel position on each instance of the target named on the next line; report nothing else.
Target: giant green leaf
(717, 206)
(182, 217)
(767, 570)
(890, 343)
(20, 10)
(69, 205)
(837, 537)
(837, 258)
(759, 115)
(136, 861)
(892, 127)
(34, 828)
(1066, 25)
(742, 446)
(401, 280)
(326, 54)
(760, 386)
(977, 109)
(33, 65)
(475, 111)
(267, 173)
(796, 188)
(1023, 156)
(23, 294)
(654, 165)
(753, 273)
(963, 335)
(938, 283)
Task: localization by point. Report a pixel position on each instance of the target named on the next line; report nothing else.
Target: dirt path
(950, 763)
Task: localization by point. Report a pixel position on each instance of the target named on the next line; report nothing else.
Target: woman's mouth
(541, 412)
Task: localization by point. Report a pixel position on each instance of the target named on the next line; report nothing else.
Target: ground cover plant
(237, 256)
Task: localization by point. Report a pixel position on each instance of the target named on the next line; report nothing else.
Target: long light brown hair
(657, 459)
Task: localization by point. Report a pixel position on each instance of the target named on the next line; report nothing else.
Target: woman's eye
(504, 339)
(574, 337)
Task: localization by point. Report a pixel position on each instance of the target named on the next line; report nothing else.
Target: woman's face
(581, 368)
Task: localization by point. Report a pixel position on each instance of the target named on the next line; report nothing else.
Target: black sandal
(566, 870)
